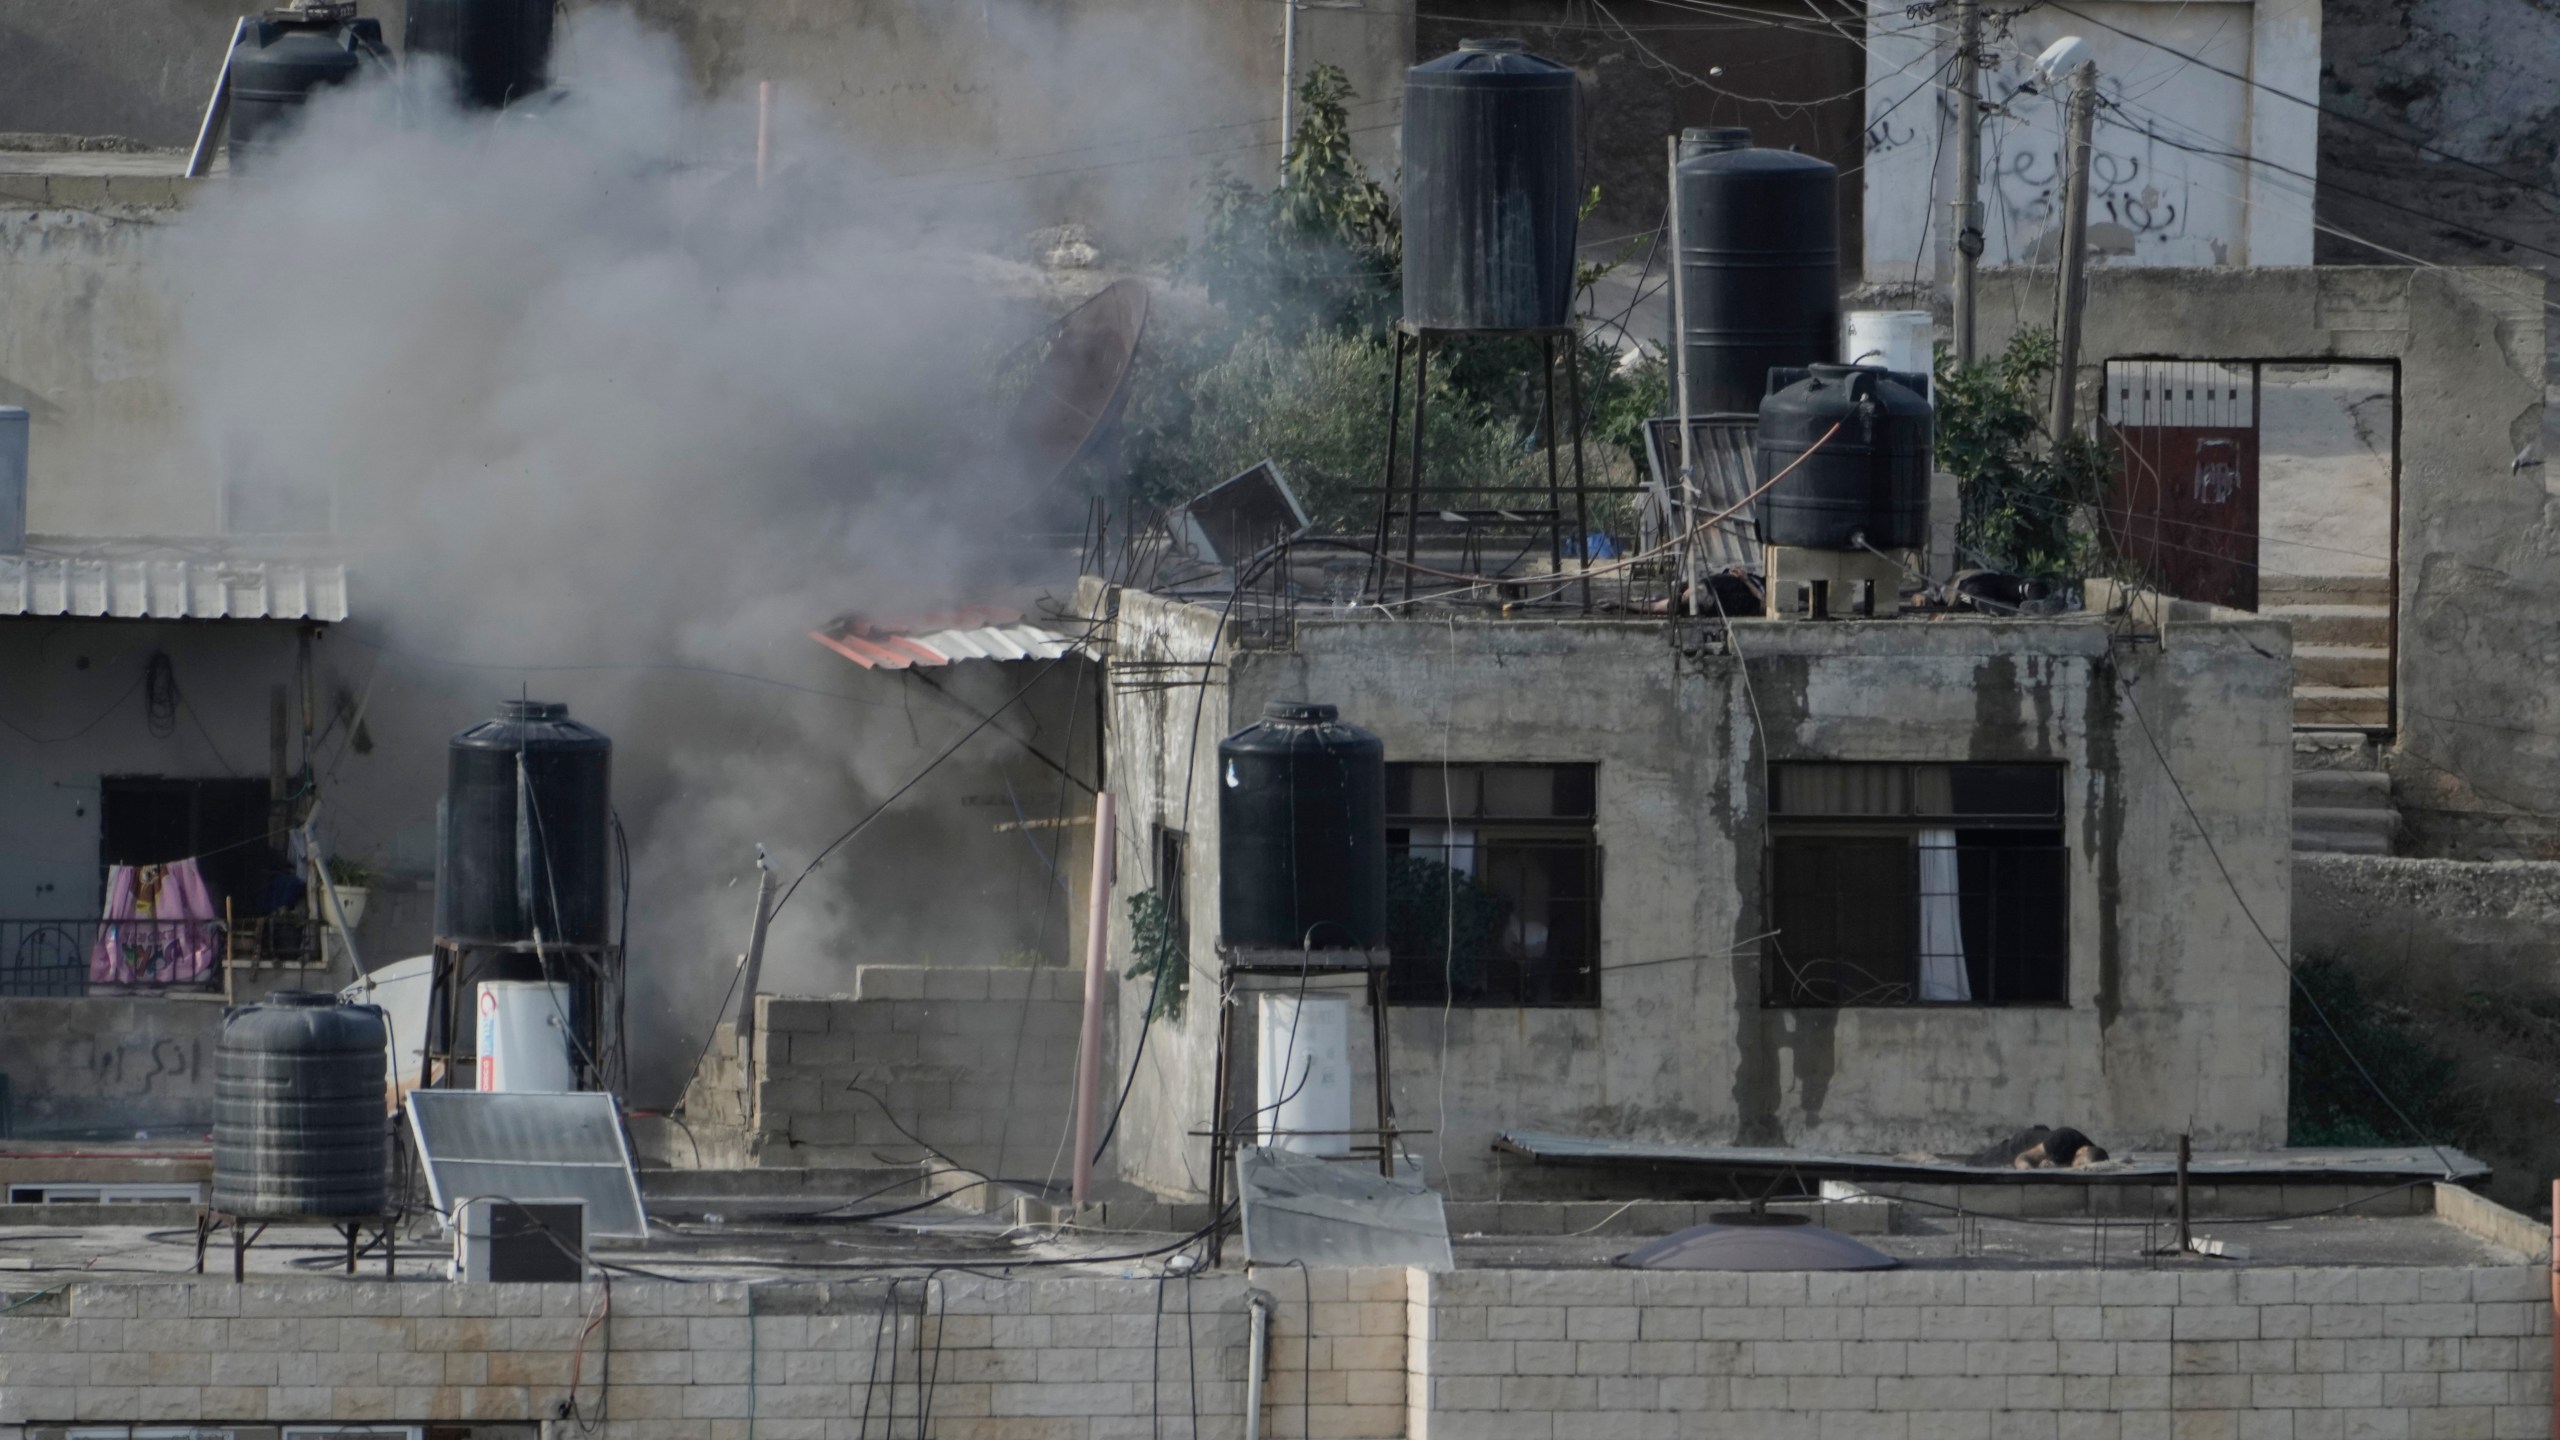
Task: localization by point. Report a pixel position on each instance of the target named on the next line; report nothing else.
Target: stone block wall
(977, 1063)
(1970, 1355)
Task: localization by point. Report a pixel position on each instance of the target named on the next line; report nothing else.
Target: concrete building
(2401, 524)
(2195, 161)
(1637, 988)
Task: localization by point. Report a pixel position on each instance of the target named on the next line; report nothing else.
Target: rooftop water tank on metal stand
(301, 1124)
(524, 887)
(1302, 899)
(1492, 211)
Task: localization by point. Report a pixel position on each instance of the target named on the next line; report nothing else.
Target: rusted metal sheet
(930, 641)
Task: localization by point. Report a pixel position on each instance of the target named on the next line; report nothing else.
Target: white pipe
(1258, 1352)
(216, 110)
(1097, 948)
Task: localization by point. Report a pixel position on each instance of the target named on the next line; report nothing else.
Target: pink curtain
(159, 926)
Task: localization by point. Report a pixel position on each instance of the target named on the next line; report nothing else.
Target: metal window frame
(1773, 993)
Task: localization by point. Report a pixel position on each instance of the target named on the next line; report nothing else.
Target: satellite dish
(1080, 385)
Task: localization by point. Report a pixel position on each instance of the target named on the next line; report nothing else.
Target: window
(223, 824)
(1917, 884)
(1493, 885)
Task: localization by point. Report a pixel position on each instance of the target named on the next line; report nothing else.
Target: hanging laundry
(159, 927)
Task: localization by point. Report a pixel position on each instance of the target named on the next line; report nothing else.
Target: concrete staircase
(2341, 646)
(2341, 794)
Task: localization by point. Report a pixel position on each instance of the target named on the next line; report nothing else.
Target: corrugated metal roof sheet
(927, 641)
(1728, 471)
(160, 585)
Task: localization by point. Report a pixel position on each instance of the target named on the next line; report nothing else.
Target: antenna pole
(1968, 205)
(2075, 249)
(1680, 379)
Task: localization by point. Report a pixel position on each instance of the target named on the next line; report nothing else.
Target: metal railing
(40, 957)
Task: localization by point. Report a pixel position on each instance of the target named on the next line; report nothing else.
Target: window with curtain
(1895, 884)
(1493, 885)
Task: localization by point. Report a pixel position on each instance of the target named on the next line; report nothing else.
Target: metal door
(2185, 507)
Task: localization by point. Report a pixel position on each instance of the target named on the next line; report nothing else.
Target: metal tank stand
(1225, 1134)
(1404, 508)
(246, 1229)
(593, 974)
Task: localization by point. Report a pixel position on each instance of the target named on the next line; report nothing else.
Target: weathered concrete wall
(2475, 755)
(980, 1063)
(2177, 1011)
(85, 348)
(109, 1065)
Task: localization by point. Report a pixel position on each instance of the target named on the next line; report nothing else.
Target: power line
(2315, 106)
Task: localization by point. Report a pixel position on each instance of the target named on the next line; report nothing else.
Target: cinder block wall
(2306, 1354)
(2311, 1354)
(978, 1063)
(957, 1357)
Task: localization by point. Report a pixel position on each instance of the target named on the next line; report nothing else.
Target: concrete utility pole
(1288, 80)
(1688, 476)
(1966, 224)
(2083, 110)
(1097, 961)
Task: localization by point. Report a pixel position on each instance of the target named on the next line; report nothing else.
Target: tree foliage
(2028, 499)
(1295, 364)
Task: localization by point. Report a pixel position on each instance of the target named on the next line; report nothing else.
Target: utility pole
(2075, 247)
(1288, 80)
(1966, 224)
(1688, 476)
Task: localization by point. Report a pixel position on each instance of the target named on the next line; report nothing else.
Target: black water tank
(281, 63)
(1870, 480)
(301, 1108)
(500, 50)
(1760, 265)
(1492, 192)
(512, 861)
(1302, 837)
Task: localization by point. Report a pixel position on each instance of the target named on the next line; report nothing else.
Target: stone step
(2317, 790)
(2339, 842)
(2342, 666)
(2323, 590)
(2334, 706)
(2335, 624)
(2315, 749)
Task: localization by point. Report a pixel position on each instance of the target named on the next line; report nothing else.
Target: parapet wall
(978, 1064)
(1475, 1355)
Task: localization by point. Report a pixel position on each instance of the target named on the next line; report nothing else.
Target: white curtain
(1942, 974)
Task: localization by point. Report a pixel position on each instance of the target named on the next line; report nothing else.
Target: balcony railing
(77, 957)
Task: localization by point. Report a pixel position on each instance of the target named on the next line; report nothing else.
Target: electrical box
(533, 1242)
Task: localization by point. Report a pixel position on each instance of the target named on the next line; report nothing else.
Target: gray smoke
(592, 414)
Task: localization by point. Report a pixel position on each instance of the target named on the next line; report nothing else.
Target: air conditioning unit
(511, 1242)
